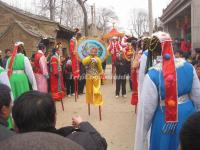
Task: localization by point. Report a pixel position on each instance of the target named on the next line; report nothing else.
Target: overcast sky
(121, 7)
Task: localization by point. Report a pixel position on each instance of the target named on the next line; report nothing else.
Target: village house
(182, 20)
(18, 25)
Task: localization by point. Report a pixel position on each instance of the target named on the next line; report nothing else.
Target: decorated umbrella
(84, 47)
(113, 33)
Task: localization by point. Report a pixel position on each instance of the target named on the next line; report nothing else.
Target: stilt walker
(92, 52)
(114, 47)
(93, 80)
(56, 78)
(75, 61)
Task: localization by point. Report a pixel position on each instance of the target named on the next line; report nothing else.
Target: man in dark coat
(81, 80)
(121, 72)
(38, 141)
(41, 109)
(5, 108)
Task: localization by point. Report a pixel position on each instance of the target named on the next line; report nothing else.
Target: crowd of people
(30, 87)
(165, 85)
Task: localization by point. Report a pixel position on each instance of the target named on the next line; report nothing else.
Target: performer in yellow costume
(93, 78)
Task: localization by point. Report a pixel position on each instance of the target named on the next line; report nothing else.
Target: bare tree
(72, 14)
(105, 18)
(82, 4)
(138, 22)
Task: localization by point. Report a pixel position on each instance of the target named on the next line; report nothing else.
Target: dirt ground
(118, 123)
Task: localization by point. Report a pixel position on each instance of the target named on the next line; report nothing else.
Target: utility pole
(150, 17)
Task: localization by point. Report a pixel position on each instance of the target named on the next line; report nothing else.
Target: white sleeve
(195, 92)
(141, 74)
(146, 108)
(43, 65)
(5, 80)
(29, 73)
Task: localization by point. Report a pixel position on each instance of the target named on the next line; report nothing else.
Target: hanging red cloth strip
(170, 80)
(134, 99)
(11, 61)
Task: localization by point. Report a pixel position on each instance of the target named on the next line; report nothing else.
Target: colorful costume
(93, 80)
(114, 48)
(134, 77)
(56, 78)
(170, 95)
(21, 75)
(40, 71)
(73, 54)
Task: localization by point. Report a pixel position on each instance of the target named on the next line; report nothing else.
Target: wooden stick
(100, 116)
(89, 109)
(75, 90)
(135, 109)
(112, 72)
(62, 104)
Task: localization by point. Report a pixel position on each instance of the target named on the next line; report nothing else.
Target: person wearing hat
(74, 58)
(40, 69)
(170, 94)
(56, 76)
(20, 71)
(93, 79)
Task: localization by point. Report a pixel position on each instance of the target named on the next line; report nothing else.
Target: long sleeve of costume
(29, 72)
(4, 79)
(195, 93)
(43, 65)
(86, 60)
(99, 65)
(146, 108)
(141, 73)
(71, 47)
(54, 66)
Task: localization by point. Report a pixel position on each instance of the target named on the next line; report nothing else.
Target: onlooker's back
(190, 133)
(38, 141)
(36, 111)
(5, 108)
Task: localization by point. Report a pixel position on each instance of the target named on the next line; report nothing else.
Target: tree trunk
(81, 3)
(52, 9)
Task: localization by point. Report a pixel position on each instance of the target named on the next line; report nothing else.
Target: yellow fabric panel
(99, 64)
(93, 93)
